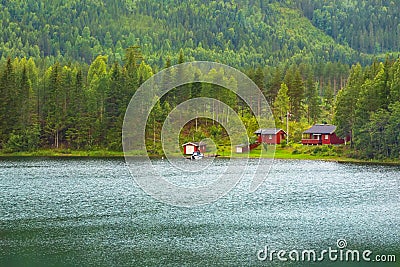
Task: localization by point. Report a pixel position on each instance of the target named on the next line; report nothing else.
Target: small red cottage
(322, 134)
(191, 147)
(244, 148)
(271, 136)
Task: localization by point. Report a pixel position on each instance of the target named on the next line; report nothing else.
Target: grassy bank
(295, 151)
(342, 154)
(63, 153)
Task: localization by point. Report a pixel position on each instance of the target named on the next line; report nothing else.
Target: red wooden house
(191, 147)
(271, 136)
(322, 134)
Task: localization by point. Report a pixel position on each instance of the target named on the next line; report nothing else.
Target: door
(189, 149)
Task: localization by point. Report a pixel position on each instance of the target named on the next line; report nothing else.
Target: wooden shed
(190, 147)
(242, 148)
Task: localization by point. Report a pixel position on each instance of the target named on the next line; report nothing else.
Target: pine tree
(78, 132)
(196, 87)
(346, 103)
(259, 81)
(114, 107)
(395, 85)
(181, 58)
(52, 107)
(25, 101)
(281, 104)
(8, 115)
(392, 131)
(296, 92)
(313, 104)
(133, 59)
(274, 86)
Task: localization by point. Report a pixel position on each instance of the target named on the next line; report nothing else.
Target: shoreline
(280, 154)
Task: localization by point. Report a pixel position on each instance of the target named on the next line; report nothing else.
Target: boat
(197, 155)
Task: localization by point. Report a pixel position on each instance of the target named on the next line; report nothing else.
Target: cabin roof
(242, 145)
(321, 129)
(191, 143)
(268, 131)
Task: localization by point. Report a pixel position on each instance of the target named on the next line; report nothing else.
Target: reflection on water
(72, 212)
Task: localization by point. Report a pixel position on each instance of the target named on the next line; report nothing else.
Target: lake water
(89, 212)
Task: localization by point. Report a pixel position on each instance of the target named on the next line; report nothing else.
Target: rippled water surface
(89, 212)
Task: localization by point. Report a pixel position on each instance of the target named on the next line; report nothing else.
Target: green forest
(69, 68)
(241, 33)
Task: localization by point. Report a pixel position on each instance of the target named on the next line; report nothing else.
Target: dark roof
(268, 131)
(242, 145)
(321, 129)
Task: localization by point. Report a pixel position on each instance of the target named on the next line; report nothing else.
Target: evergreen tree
(196, 87)
(133, 58)
(181, 57)
(296, 92)
(313, 102)
(8, 116)
(395, 85)
(78, 134)
(52, 120)
(114, 108)
(281, 105)
(259, 81)
(274, 86)
(347, 98)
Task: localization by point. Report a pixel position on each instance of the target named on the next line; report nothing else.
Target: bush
(283, 144)
(27, 140)
(296, 152)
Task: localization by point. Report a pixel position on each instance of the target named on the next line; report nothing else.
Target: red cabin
(271, 136)
(242, 148)
(322, 134)
(191, 147)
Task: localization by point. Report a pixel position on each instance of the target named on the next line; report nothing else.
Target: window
(326, 137)
(270, 137)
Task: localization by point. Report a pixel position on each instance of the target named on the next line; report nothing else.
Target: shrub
(296, 152)
(27, 140)
(283, 144)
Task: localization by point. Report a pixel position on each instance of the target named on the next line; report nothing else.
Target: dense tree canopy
(368, 109)
(240, 33)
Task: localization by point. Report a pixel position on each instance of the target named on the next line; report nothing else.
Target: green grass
(64, 153)
(327, 153)
(293, 151)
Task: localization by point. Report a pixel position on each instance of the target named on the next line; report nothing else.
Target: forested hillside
(238, 33)
(69, 68)
(367, 26)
